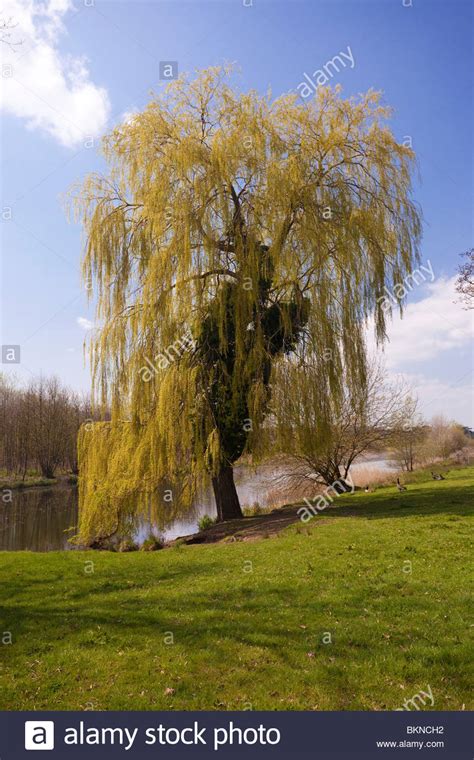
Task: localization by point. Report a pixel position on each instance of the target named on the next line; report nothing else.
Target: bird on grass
(399, 486)
(437, 476)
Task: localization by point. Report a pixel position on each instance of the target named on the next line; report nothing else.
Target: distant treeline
(39, 425)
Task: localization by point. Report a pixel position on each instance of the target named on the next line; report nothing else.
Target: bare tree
(443, 438)
(465, 281)
(322, 439)
(408, 435)
(24, 438)
(6, 27)
(8, 403)
(48, 424)
(39, 426)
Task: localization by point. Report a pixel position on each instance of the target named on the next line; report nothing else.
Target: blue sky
(83, 64)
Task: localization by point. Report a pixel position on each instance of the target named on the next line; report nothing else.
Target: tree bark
(334, 478)
(342, 486)
(227, 500)
(47, 471)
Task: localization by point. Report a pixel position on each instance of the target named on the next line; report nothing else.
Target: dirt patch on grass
(247, 528)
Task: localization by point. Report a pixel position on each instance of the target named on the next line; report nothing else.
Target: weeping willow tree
(229, 231)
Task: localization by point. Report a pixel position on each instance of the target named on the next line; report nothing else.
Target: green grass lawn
(241, 625)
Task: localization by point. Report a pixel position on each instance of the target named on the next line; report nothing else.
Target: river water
(43, 519)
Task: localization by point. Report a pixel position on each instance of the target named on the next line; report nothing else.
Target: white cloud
(453, 400)
(50, 91)
(128, 117)
(86, 324)
(430, 326)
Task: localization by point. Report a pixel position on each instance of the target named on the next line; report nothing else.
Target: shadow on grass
(448, 497)
(258, 625)
(271, 624)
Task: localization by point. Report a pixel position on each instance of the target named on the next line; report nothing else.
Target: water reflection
(43, 519)
(37, 519)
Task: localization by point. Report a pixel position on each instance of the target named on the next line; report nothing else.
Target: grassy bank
(381, 577)
(13, 482)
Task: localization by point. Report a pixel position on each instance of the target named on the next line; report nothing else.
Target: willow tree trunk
(225, 492)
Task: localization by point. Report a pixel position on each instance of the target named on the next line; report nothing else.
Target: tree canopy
(230, 230)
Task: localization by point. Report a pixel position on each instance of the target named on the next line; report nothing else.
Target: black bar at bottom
(229, 735)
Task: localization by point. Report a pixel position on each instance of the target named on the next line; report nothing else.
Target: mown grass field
(241, 625)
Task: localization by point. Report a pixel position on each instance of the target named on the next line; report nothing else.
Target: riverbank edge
(37, 482)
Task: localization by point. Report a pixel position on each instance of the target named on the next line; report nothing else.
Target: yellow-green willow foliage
(209, 194)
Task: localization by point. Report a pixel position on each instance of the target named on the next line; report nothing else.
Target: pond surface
(43, 519)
